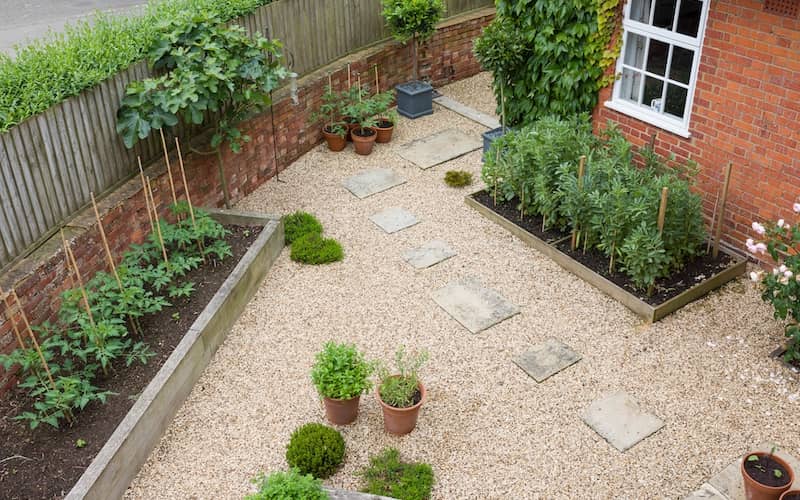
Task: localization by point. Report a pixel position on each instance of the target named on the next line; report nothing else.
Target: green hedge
(51, 69)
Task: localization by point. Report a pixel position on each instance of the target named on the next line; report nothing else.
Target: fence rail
(51, 162)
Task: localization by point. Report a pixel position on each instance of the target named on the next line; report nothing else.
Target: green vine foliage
(549, 58)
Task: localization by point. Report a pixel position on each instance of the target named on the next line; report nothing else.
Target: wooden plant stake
(144, 191)
(10, 318)
(158, 223)
(502, 108)
(73, 266)
(713, 221)
(169, 168)
(359, 87)
(662, 212)
(105, 243)
(581, 169)
(189, 197)
(18, 305)
(349, 82)
(721, 215)
(377, 81)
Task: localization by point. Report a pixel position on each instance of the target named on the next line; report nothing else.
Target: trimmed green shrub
(288, 486)
(312, 248)
(388, 476)
(413, 20)
(457, 178)
(341, 372)
(300, 224)
(315, 449)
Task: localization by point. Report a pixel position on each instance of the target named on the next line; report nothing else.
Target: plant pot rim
(380, 120)
(327, 132)
(420, 387)
(341, 399)
(373, 131)
(782, 462)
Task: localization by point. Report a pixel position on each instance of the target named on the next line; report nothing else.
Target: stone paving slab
(429, 254)
(393, 219)
(729, 480)
(706, 492)
(619, 419)
(439, 148)
(336, 494)
(544, 360)
(474, 306)
(371, 182)
(467, 112)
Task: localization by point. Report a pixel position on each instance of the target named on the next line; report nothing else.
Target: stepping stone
(475, 307)
(439, 148)
(429, 254)
(706, 492)
(394, 219)
(618, 418)
(370, 182)
(729, 480)
(467, 112)
(546, 359)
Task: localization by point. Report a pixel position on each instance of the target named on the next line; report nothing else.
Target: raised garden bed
(120, 435)
(697, 279)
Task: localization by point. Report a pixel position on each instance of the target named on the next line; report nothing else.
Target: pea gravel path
(488, 429)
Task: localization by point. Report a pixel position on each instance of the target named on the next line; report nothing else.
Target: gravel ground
(488, 430)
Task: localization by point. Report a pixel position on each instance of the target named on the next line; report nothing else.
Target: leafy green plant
(643, 256)
(315, 449)
(457, 178)
(300, 224)
(312, 248)
(398, 389)
(290, 485)
(413, 20)
(388, 476)
(330, 112)
(341, 371)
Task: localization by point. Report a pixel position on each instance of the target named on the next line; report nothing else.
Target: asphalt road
(22, 20)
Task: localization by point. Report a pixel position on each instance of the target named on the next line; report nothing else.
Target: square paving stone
(729, 480)
(393, 219)
(370, 182)
(474, 306)
(618, 418)
(439, 148)
(546, 359)
(429, 254)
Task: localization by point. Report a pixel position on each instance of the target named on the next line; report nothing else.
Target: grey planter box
(489, 137)
(414, 99)
(118, 462)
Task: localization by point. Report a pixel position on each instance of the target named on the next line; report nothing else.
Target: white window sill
(652, 118)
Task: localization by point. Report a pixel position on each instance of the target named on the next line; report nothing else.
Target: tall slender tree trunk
(226, 196)
(414, 57)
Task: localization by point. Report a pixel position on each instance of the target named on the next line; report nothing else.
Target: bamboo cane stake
(502, 108)
(74, 267)
(359, 87)
(32, 336)
(10, 318)
(377, 81)
(105, 243)
(581, 169)
(713, 221)
(158, 223)
(662, 209)
(349, 83)
(188, 197)
(721, 216)
(169, 168)
(144, 191)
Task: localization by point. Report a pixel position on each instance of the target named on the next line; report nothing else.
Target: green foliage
(300, 224)
(549, 58)
(312, 248)
(49, 70)
(290, 485)
(398, 388)
(315, 449)
(388, 476)
(457, 178)
(330, 112)
(341, 371)
(407, 19)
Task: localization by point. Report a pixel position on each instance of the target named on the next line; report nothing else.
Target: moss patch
(300, 224)
(458, 178)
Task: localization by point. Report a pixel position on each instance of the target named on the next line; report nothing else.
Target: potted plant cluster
(341, 374)
(414, 21)
(401, 393)
(766, 476)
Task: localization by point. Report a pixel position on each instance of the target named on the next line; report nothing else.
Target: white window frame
(671, 124)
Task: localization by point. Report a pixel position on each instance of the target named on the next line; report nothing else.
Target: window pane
(681, 66)
(653, 88)
(640, 11)
(664, 14)
(629, 85)
(676, 101)
(634, 50)
(689, 17)
(657, 57)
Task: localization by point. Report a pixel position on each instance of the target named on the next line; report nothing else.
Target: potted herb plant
(401, 394)
(334, 130)
(766, 476)
(415, 21)
(341, 374)
(385, 119)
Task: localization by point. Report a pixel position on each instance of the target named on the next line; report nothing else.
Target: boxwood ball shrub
(312, 248)
(388, 476)
(341, 371)
(300, 224)
(457, 178)
(290, 485)
(315, 449)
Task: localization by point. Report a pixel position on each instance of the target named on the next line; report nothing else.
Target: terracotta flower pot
(341, 411)
(364, 143)
(350, 123)
(385, 129)
(755, 490)
(401, 420)
(335, 142)
(791, 495)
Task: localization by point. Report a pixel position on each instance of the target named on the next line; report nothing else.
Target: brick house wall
(746, 110)
(41, 277)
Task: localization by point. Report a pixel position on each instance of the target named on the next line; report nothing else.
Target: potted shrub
(385, 119)
(415, 21)
(341, 374)
(334, 130)
(765, 475)
(401, 394)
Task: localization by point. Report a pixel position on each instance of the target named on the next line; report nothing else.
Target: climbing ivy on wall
(549, 56)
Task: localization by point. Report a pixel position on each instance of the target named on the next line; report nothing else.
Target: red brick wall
(40, 280)
(746, 110)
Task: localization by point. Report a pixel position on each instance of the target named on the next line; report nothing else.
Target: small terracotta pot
(335, 141)
(401, 420)
(341, 411)
(364, 144)
(350, 123)
(753, 490)
(788, 494)
(384, 133)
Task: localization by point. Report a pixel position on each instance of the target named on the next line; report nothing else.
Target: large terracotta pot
(364, 144)
(335, 142)
(341, 411)
(401, 420)
(753, 490)
(385, 129)
(791, 495)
